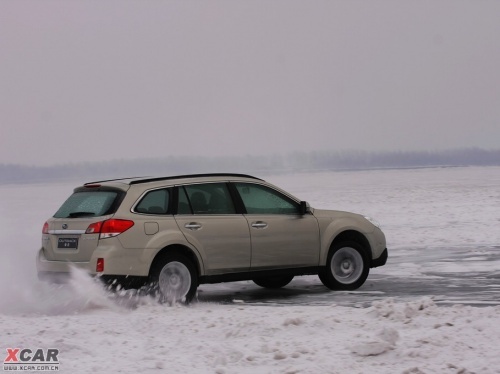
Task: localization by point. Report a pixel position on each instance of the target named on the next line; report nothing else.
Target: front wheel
(346, 267)
(273, 282)
(175, 279)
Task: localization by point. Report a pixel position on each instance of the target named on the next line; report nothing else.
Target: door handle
(259, 225)
(192, 226)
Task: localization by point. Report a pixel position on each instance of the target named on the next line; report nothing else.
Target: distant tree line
(291, 162)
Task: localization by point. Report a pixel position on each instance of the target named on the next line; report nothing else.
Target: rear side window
(210, 198)
(154, 202)
(88, 204)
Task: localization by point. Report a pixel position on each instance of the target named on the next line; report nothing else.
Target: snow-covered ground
(420, 210)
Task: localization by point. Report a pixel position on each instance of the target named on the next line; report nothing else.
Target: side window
(154, 202)
(183, 207)
(263, 200)
(210, 198)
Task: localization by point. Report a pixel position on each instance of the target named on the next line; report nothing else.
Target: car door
(207, 217)
(281, 237)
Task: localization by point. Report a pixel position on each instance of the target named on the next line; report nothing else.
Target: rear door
(67, 239)
(281, 237)
(207, 217)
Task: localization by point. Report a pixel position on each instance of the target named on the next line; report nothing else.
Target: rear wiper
(81, 214)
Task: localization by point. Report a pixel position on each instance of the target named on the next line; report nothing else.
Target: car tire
(174, 279)
(273, 282)
(347, 266)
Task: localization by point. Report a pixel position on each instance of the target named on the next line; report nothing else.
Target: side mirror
(304, 208)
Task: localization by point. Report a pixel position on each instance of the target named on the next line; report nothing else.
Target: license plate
(67, 243)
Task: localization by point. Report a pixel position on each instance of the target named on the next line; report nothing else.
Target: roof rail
(147, 180)
(112, 180)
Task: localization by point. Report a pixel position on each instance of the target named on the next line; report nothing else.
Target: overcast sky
(100, 80)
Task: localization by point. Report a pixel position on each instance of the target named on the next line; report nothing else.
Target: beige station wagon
(171, 234)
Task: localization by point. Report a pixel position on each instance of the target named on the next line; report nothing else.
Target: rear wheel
(174, 278)
(346, 268)
(273, 282)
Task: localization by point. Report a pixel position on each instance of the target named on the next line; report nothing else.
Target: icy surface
(419, 210)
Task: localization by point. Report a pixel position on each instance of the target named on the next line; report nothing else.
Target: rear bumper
(117, 260)
(113, 281)
(381, 260)
(54, 277)
(59, 272)
(46, 267)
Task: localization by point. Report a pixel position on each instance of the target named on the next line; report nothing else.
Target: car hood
(326, 213)
(341, 218)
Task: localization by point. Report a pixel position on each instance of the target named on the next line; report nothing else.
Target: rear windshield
(88, 204)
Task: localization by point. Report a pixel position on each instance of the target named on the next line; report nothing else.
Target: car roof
(175, 179)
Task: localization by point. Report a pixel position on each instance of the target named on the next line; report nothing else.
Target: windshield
(87, 204)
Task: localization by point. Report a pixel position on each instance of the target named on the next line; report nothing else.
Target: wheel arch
(355, 236)
(180, 250)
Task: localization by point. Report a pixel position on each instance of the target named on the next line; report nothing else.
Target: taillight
(45, 229)
(99, 268)
(94, 228)
(114, 227)
(109, 228)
